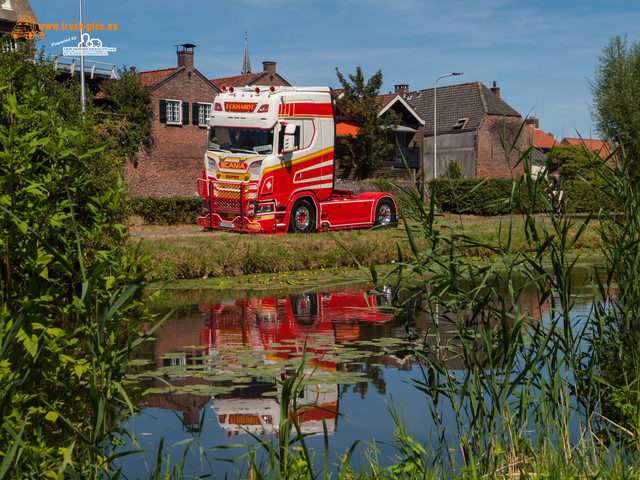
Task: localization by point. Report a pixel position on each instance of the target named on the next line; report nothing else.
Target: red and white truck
(269, 166)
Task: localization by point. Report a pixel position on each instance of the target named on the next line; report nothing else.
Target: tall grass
(536, 380)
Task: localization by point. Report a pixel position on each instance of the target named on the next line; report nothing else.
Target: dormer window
(461, 123)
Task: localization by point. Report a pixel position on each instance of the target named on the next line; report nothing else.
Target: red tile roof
(601, 147)
(235, 81)
(541, 139)
(151, 77)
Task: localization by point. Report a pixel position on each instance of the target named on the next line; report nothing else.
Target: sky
(542, 54)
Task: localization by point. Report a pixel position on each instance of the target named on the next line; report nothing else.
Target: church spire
(246, 65)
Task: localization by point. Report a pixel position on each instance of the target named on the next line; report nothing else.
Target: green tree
(125, 117)
(616, 94)
(371, 147)
(572, 160)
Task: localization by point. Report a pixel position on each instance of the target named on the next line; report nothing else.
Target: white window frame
(7, 5)
(171, 120)
(201, 115)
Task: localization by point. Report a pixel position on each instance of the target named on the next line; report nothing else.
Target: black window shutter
(185, 113)
(163, 111)
(195, 114)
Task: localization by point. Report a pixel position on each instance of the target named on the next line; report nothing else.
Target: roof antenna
(246, 65)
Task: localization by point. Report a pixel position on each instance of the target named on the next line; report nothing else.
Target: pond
(210, 374)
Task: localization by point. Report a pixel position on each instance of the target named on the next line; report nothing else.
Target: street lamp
(435, 118)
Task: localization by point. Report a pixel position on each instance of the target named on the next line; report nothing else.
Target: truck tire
(385, 213)
(302, 218)
(304, 308)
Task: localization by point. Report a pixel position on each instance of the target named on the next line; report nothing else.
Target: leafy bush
(166, 211)
(492, 196)
(474, 196)
(69, 293)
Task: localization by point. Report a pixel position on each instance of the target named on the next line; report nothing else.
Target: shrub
(498, 196)
(166, 211)
(69, 293)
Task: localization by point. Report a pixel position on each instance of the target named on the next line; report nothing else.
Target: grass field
(179, 254)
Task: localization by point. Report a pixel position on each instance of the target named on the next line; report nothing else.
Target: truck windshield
(257, 140)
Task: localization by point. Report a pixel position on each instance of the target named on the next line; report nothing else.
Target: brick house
(181, 99)
(471, 120)
(407, 136)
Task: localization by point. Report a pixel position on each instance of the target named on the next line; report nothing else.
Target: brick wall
(174, 162)
(492, 160)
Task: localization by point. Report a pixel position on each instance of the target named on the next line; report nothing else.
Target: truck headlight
(265, 208)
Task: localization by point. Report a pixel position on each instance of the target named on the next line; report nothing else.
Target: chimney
(185, 55)
(495, 89)
(270, 68)
(534, 122)
(402, 89)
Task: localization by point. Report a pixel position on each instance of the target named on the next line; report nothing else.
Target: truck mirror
(290, 129)
(289, 138)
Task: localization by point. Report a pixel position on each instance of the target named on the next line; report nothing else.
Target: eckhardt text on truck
(269, 166)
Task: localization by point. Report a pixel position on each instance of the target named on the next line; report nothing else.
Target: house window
(461, 123)
(204, 112)
(6, 4)
(174, 111)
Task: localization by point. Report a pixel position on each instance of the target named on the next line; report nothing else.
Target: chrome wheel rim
(384, 214)
(302, 218)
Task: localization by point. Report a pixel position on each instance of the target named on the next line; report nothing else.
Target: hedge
(493, 196)
(166, 211)
(473, 196)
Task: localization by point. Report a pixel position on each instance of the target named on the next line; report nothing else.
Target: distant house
(407, 136)
(471, 121)
(601, 147)
(19, 21)
(181, 99)
(542, 142)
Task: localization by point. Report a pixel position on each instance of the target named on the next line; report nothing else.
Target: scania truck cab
(269, 166)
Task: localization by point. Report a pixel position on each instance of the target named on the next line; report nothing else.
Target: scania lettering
(269, 166)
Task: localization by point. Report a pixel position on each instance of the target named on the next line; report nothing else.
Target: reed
(536, 381)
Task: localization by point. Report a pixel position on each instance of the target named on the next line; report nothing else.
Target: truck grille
(238, 198)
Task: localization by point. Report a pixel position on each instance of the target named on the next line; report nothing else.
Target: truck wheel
(385, 213)
(302, 218)
(304, 308)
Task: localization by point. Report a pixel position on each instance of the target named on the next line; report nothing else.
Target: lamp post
(435, 118)
(82, 99)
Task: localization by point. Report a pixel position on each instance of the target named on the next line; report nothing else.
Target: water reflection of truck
(259, 322)
(269, 166)
(250, 410)
(282, 328)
